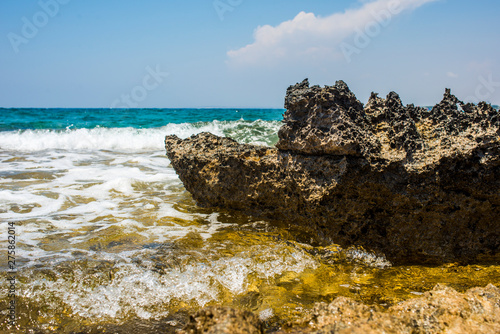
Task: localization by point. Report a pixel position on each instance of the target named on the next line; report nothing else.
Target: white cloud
(310, 36)
(452, 75)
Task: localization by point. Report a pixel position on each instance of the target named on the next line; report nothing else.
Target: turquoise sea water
(33, 118)
(95, 208)
(129, 129)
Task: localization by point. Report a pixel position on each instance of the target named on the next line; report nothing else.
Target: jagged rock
(322, 121)
(418, 185)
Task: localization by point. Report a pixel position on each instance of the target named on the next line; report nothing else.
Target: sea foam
(133, 139)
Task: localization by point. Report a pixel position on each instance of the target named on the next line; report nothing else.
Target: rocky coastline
(416, 185)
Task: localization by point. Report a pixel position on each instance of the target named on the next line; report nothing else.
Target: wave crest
(133, 139)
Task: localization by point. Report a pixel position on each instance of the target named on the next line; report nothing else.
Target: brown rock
(321, 121)
(419, 186)
(222, 320)
(445, 310)
(442, 310)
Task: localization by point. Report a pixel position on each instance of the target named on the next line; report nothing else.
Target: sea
(98, 234)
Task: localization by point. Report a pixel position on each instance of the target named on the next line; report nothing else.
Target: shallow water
(108, 239)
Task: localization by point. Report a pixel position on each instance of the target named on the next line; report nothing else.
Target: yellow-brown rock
(418, 185)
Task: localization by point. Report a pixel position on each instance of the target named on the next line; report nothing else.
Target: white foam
(102, 179)
(147, 293)
(41, 205)
(131, 139)
(126, 139)
(234, 272)
(85, 190)
(266, 314)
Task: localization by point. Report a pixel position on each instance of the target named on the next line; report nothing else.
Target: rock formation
(441, 310)
(223, 320)
(420, 186)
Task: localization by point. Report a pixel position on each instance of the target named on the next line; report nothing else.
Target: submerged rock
(223, 320)
(417, 185)
(441, 310)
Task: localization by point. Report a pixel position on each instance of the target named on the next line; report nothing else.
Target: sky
(243, 53)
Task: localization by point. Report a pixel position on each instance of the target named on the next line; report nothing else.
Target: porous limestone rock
(418, 185)
(441, 310)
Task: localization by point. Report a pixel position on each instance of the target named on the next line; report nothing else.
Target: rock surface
(420, 186)
(441, 310)
(223, 320)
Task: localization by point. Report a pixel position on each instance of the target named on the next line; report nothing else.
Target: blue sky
(242, 53)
